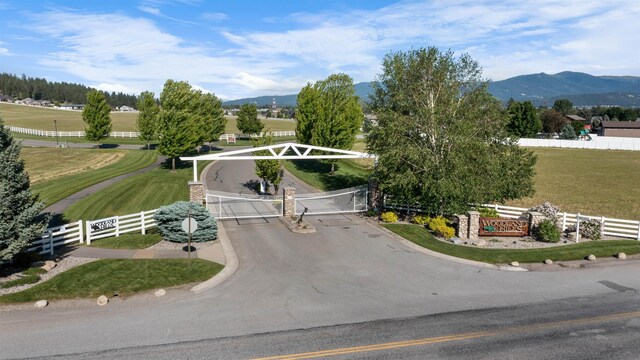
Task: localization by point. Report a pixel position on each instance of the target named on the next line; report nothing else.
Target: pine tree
(96, 115)
(19, 210)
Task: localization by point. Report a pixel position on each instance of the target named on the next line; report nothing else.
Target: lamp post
(55, 125)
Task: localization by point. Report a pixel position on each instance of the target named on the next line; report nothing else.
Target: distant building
(126, 108)
(620, 129)
(572, 118)
(6, 98)
(72, 106)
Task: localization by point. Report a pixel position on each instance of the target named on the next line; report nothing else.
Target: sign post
(189, 225)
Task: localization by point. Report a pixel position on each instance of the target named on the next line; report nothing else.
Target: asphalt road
(348, 285)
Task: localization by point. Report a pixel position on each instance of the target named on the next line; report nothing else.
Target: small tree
(169, 219)
(568, 132)
(96, 115)
(147, 121)
(248, 122)
(19, 210)
(270, 171)
(523, 119)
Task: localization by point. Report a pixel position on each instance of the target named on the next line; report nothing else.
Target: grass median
(128, 241)
(117, 276)
(603, 248)
(316, 173)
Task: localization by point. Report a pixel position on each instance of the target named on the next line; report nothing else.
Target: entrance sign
(104, 224)
(503, 227)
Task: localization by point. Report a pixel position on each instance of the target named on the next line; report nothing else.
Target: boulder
(622, 256)
(481, 243)
(160, 292)
(571, 236)
(49, 265)
(548, 261)
(41, 303)
(591, 257)
(456, 240)
(103, 300)
(514, 263)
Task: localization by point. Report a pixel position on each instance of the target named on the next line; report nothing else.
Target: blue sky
(247, 48)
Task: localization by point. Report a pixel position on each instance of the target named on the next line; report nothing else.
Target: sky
(238, 49)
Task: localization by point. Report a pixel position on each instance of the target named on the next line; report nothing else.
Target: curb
(229, 269)
(426, 251)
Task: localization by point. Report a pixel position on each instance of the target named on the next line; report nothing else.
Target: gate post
(288, 201)
(196, 191)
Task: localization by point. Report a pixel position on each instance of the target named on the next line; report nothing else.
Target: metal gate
(332, 202)
(242, 206)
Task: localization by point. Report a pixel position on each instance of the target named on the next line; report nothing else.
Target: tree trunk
(332, 168)
(148, 146)
(173, 164)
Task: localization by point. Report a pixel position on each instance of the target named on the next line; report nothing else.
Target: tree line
(58, 92)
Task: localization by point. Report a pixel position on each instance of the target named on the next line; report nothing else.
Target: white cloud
(150, 10)
(116, 88)
(4, 51)
(214, 16)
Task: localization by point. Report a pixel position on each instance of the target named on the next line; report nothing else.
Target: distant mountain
(541, 89)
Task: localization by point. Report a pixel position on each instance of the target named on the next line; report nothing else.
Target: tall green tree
(563, 106)
(523, 119)
(96, 117)
(19, 209)
(271, 171)
(441, 139)
(248, 122)
(211, 117)
(147, 120)
(330, 113)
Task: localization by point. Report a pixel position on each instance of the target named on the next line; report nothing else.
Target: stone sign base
(292, 224)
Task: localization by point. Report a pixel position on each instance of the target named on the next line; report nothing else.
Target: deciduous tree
(563, 106)
(523, 119)
(147, 120)
(270, 171)
(248, 122)
(96, 115)
(552, 121)
(19, 210)
(441, 138)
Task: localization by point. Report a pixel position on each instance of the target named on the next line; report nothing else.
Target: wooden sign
(104, 224)
(503, 227)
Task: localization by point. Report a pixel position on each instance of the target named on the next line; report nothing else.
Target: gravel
(168, 245)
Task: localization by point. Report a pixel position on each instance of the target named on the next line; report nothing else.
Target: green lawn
(117, 276)
(147, 191)
(348, 173)
(603, 248)
(591, 182)
(128, 241)
(105, 143)
(57, 189)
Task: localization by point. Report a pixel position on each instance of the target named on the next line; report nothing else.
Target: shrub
(389, 217)
(547, 231)
(169, 221)
(420, 220)
(25, 259)
(488, 212)
(590, 229)
(440, 225)
(549, 210)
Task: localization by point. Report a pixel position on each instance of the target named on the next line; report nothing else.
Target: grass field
(317, 174)
(117, 276)
(45, 164)
(58, 188)
(128, 241)
(39, 118)
(603, 248)
(147, 191)
(591, 182)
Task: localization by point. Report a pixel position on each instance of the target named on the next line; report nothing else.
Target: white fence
(116, 225)
(610, 226)
(599, 142)
(57, 236)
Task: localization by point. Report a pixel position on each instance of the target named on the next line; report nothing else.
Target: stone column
(474, 224)
(375, 197)
(288, 201)
(196, 191)
(535, 218)
(463, 226)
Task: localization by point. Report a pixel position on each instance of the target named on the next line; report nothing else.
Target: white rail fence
(58, 236)
(599, 142)
(612, 227)
(116, 225)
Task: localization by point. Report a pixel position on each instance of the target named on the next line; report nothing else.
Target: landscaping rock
(591, 257)
(160, 292)
(49, 265)
(41, 303)
(514, 263)
(548, 261)
(456, 240)
(103, 300)
(622, 256)
(571, 236)
(481, 243)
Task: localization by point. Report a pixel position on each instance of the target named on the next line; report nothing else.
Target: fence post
(577, 227)
(50, 242)
(88, 224)
(142, 222)
(81, 228)
(564, 221)
(117, 226)
(638, 230)
(602, 221)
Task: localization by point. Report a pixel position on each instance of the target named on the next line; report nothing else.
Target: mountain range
(541, 89)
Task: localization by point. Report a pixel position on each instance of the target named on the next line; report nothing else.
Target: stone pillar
(288, 201)
(474, 224)
(535, 218)
(375, 197)
(463, 226)
(196, 191)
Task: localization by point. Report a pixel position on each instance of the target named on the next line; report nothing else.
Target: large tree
(552, 121)
(563, 106)
(147, 121)
(270, 171)
(96, 115)
(329, 113)
(523, 119)
(441, 138)
(210, 117)
(19, 209)
(248, 122)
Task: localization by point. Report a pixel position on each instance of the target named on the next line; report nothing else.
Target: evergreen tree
(248, 122)
(19, 210)
(147, 120)
(523, 119)
(96, 115)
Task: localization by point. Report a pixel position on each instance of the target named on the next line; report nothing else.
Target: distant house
(126, 108)
(572, 118)
(72, 106)
(620, 129)
(6, 98)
